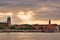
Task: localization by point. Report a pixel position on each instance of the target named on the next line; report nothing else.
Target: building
(36, 27)
(50, 28)
(9, 21)
(46, 28)
(3, 25)
(58, 28)
(43, 28)
(6, 25)
(49, 21)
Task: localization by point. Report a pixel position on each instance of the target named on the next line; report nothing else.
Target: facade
(6, 25)
(3, 25)
(46, 28)
(50, 28)
(58, 27)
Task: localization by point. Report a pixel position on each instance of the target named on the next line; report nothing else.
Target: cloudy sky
(30, 11)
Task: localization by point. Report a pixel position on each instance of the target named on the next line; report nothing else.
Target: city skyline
(49, 21)
(30, 11)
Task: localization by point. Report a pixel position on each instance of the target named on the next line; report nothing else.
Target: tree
(2, 27)
(12, 27)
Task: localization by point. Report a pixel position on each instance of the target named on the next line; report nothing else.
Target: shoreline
(29, 31)
(26, 32)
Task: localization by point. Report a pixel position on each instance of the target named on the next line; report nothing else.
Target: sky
(30, 11)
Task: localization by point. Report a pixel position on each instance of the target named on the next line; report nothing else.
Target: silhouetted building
(35, 27)
(3, 24)
(49, 21)
(58, 27)
(6, 24)
(9, 21)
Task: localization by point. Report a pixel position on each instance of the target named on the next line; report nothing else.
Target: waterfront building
(47, 27)
(49, 21)
(3, 25)
(6, 25)
(44, 28)
(9, 21)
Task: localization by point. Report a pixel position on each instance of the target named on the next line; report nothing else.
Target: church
(6, 24)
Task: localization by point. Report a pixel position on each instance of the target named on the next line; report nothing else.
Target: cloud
(43, 9)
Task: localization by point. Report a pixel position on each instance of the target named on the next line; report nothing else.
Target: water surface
(29, 36)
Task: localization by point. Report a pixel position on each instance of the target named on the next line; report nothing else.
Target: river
(29, 36)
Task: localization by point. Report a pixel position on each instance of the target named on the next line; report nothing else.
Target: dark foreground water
(29, 36)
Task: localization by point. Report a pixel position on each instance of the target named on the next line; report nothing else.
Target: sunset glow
(6, 14)
(30, 11)
(26, 17)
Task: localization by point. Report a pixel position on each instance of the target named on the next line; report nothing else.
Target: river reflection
(29, 36)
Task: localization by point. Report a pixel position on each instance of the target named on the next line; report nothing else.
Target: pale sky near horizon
(30, 11)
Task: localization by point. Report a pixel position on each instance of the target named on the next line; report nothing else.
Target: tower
(49, 21)
(9, 21)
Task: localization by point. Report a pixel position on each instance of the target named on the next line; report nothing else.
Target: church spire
(9, 21)
(49, 21)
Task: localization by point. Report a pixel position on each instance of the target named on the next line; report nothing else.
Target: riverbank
(28, 31)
